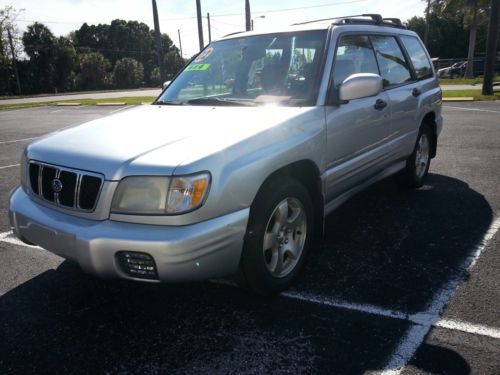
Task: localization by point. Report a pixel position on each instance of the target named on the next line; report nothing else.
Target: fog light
(138, 265)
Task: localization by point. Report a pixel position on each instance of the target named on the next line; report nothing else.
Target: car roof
(372, 23)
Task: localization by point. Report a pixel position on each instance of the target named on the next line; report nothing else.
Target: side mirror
(360, 85)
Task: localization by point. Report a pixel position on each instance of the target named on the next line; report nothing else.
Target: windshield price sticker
(198, 67)
(204, 55)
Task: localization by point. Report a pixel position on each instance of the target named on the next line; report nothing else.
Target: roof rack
(236, 32)
(366, 19)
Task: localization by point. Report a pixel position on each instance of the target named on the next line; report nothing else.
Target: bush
(128, 73)
(92, 67)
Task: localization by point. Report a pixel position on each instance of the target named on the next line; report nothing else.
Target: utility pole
(491, 47)
(209, 29)
(200, 25)
(248, 16)
(427, 12)
(159, 47)
(180, 41)
(14, 63)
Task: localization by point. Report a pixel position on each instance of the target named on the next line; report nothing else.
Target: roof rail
(236, 32)
(374, 17)
(367, 18)
(395, 21)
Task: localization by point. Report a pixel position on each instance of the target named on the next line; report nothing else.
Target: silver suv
(234, 167)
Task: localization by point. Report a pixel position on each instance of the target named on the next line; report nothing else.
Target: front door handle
(380, 104)
(416, 92)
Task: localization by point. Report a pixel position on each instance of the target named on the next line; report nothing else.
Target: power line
(214, 15)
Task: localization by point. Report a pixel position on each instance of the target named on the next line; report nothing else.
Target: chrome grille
(65, 187)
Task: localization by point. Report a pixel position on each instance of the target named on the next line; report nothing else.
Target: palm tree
(475, 11)
(472, 12)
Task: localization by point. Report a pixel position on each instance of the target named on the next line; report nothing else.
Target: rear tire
(417, 165)
(278, 236)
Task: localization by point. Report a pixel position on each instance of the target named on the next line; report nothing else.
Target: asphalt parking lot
(403, 282)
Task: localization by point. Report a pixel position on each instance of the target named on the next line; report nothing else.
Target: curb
(459, 99)
(67, 104)
(110, 104)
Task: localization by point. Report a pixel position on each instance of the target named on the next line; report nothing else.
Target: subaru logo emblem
(56, 185)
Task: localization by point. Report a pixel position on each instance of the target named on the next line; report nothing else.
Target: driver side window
(354, 55)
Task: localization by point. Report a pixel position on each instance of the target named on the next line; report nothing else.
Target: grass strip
(132, 100)
(476, 94)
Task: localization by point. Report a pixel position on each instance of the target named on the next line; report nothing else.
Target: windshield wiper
(168, 102)
(220, 101)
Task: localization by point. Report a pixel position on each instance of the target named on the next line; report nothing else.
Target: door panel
(356, 130)
(356, 135)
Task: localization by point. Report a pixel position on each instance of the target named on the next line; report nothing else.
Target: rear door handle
(416, 92)
(380, 104)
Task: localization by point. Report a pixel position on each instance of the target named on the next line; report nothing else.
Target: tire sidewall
(256, 274)
(411, 168)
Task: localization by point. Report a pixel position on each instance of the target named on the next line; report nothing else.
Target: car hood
(155, 139)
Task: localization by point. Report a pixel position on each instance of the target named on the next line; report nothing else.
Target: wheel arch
(430, 120)
(306, 172)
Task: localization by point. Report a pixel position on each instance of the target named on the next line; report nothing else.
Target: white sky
(63, 16)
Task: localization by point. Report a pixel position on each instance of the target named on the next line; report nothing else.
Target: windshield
(273, 68)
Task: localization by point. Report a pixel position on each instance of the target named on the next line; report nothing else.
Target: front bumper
(182, 253)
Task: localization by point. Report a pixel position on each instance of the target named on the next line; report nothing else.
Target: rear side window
(418, 57)
(393, 66)
(354, 55)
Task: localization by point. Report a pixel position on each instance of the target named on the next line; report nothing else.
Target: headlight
(148, 195)
(187, 193)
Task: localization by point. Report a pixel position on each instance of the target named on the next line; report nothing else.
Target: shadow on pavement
(440, 361)
(386, 246)
(63, 321)
(395, 248)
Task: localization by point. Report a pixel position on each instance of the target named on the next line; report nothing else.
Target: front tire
(417, 165)
(278, 236)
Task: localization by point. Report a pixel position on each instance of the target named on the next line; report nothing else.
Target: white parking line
(476, 329)
(120, 109)
(10, 166)
(472, 109)
(421, 322)
(17, 140)
(9, 237)
(363, 308)
(414, 337)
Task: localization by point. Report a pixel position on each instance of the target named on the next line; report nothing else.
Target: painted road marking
(121, 109)
(415, 336)
(17, 140)
(421, 322)
(10, 166)
(476, 329)
(472, 109)
(10, 237)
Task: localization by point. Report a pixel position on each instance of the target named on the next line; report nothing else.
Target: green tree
(173, 62)
(155, 78)
(41, 47)
(8, 84)
(65, 61)
(92, 68)
(128, 73)
(458, 16)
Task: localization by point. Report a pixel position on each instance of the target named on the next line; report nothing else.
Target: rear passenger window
(354, 55)
(418, 57)
(391, 61)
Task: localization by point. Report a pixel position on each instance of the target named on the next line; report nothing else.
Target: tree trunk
(469, 72)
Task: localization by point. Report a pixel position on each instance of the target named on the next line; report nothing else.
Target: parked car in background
(454, 71)
(234, 167)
